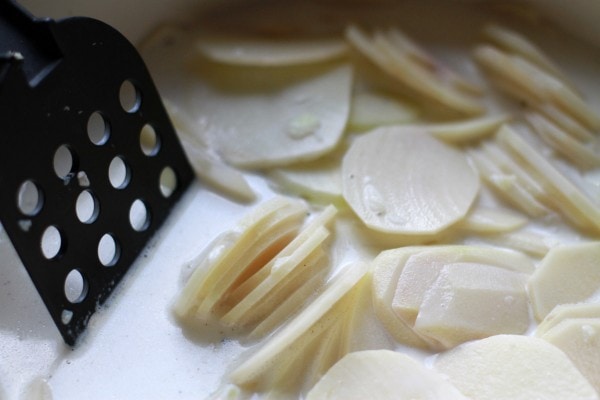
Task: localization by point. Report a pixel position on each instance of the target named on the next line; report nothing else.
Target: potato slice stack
(441, 296)
(264, 274)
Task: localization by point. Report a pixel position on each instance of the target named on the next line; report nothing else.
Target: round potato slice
(402, 180)
(382, 374)
(270, 52)
(513, 367)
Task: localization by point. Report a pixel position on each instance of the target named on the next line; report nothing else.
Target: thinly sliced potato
(514, 367)
(319, 180)
(529, 242)
(400, 64)
(386, 270)
(560, 191)
(263, 233)
(403, 181)
(485, 220)
(207, 165)
(516, 43)
(533, 84)
(468, 130)
(370, 110)
(422, 269)
(289, 342)
(564, 312)
(471, 301)
(579, 338)
(382, 375)
(263, 52)
(265, 118)
(564, 144)
(568, 274)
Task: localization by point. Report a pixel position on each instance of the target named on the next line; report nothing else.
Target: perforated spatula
(90, 163)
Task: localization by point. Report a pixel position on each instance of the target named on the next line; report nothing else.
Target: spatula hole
(109, 250)
(76, 287)
(86, 207)
(66, 316)
(167, 182)
(64, 162)
(130, 97)
(149, 140)
(118, 173)
(98, 128)
(139, 217)
(52, 243)
(29, 198)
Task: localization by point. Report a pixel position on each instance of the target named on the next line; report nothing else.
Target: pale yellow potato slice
(516, 43)
(370, 110)
(579, 338)
(289, 306)
(261, 234)
(282, 269)
(533, 243)
(382, 375)
(422, 269)
(564, 144)
(319, 180)
(384, 52)
(289, 342)
(468, 130)
(485, 220)
(568, 274)
(274, 118)
(513, 367)
(563, 120)
(471, 301)
(264, 52)
(207, 165)
(567, 311)
(386, 270)
(403, 181)
(533, 84)
(322, 220)
(506, 185)
(563, 194)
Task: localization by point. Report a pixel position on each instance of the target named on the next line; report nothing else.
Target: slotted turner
(90, 163)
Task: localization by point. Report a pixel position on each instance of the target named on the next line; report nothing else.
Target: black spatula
(90, 163)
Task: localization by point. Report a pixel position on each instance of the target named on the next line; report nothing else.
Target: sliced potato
(568, 274)
(382, 375)
(516, 43)
(386, 269)
(562, 194)
(533, 84)
(270, 52)
(468, 130)
(513, 367)
(319, 180)
(422, 269)
(492, 220)
(579, 338)
(262, 233)
(564, 144)
(403, 181)
(406, 67)
(273, 118)
(370, 110)
(529, 242)
(401, 278)
(207, 165)
(289, 342)
(567, 311)
(471, 301)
